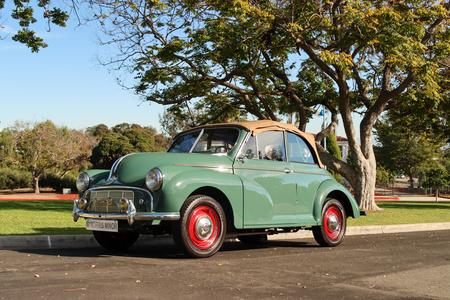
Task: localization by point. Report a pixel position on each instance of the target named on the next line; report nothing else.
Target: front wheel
(202, 226)
(116, 241)
(334, 224)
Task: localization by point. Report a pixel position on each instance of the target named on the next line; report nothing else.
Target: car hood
(132, 168)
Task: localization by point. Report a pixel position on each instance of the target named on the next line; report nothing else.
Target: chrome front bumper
(131, 215)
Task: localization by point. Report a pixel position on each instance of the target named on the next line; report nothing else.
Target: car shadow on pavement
(162, 248)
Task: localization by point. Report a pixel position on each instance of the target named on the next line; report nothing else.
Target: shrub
(14, 179)
(58, 183)
(384, 177)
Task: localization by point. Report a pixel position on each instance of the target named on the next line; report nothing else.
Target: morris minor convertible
(237, 180)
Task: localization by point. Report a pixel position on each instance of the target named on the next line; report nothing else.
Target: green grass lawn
(38, 217)
(54, 217)
(405, 213)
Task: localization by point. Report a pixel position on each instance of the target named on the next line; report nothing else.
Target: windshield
(208, 140)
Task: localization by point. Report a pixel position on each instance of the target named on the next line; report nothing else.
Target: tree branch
(327, 130)
(316, 59)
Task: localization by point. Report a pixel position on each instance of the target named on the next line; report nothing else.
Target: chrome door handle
(287, 170)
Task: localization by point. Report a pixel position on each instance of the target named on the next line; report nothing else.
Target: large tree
(272, 58)
(405, 150)
(46, 147)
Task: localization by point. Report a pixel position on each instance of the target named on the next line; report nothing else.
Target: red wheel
(202, 226)
(334, 224)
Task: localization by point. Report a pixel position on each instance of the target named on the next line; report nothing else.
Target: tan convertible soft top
(266, 125)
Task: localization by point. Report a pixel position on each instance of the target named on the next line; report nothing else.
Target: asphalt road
(396, 266)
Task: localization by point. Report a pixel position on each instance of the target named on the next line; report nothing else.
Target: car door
(307, 175)
(269, 188)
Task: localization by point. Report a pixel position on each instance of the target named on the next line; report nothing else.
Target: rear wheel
(334, 224)
(257, 239)
(202, 226)
(116, 241)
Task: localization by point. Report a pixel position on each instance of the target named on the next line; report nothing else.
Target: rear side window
(271, 146)
(298, 150)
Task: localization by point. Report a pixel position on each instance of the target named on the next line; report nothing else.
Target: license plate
(102, 225)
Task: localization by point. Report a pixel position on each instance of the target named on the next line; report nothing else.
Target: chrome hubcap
(333, 223)
(203, 228)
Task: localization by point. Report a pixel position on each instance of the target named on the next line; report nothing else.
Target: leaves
(26, 16)
(46, 148)
(29, 38)
(123, 139)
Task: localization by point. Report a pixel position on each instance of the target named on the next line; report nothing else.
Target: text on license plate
(102, 225)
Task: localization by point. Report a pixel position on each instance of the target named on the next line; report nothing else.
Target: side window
(249, 149)
(271, 146)
(298, 150)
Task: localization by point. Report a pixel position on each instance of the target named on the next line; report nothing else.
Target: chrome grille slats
(108, 200)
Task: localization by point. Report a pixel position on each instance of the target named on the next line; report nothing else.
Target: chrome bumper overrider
(131, 215)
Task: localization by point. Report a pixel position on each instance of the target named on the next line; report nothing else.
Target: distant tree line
(46, 155)
(415, 148)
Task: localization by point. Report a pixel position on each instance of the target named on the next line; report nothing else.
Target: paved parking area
(390, 266)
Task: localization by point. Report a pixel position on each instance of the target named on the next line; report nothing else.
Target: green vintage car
(244, 180)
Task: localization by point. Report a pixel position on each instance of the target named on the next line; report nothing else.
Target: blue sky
(66, 83)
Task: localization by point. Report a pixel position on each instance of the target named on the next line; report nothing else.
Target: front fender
(98, 176)
(325, 189)
(185, 180)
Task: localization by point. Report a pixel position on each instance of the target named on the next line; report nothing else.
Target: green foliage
(181, 117)
(123, 139)
(46, 148)
(98, 131)
(110, 148)
(58, 183)
(404, 150)
(333, 149)
(26, 15)
(253, 53)
(436, 177)
(7, 153)
(13, 179)
(384, 177)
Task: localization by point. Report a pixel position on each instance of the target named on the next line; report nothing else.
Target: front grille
(108, 200)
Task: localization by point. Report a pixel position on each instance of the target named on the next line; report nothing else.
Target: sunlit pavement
(390, 266)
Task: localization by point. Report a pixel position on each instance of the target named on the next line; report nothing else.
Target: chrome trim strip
(246, 138)
(115, 165)
(170, 216)
(196, 140)
(109, 187)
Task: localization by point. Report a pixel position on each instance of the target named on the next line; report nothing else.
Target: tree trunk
(411, 181)
(36, 185)
(365, 185)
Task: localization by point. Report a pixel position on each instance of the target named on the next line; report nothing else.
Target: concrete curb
(87, 240)
(374, 229)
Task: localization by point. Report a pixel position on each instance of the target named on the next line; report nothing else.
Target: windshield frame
(202, 130)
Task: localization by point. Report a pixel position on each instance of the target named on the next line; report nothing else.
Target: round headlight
(83, 182)
(154, 179)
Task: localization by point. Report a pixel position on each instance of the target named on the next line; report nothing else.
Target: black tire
(116, 241)
(255, 240)
(334, 224)
(201, 229)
